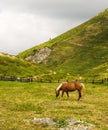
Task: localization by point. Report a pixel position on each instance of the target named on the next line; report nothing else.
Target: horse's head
(58, 90)
(57, 93)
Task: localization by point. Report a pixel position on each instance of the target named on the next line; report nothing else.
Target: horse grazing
(69, 87)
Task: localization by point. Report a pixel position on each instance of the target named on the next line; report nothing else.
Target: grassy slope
(80, 49)
(39, 101)
(13, 66)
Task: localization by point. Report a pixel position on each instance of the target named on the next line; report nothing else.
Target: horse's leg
(62, 93)
(67, 93)
(79, 92)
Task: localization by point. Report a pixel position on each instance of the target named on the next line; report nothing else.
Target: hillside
(76, 51)
(14, 66)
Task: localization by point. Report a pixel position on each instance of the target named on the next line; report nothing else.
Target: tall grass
(24, 101)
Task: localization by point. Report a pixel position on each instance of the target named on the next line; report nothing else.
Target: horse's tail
(83, 86)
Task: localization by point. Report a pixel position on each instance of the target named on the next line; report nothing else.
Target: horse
(69, 87)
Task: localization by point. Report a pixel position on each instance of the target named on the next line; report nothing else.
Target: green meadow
(21, 101)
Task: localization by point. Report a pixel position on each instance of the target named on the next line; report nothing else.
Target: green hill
(77, 51)
(14, 66)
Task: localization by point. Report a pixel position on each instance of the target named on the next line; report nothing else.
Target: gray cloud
(25, 23)
(55, 8)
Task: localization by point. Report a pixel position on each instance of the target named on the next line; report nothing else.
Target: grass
(10, 66)
(24, 101)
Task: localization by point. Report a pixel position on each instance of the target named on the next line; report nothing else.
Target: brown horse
(69, 87)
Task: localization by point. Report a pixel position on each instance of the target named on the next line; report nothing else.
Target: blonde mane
(59, 87)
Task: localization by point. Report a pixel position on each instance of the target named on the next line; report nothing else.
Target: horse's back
(79, 85)
(68, 86)
(71, 86)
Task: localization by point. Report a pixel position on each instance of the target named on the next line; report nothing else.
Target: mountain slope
(14, 66)
(77, 51)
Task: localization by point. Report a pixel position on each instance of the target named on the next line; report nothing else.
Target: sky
(27, 23)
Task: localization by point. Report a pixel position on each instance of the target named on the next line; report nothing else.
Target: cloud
(20, 30)
(55, 8)
(26, 23)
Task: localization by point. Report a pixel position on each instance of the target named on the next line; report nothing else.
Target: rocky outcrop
(39, 55)
(65, 124)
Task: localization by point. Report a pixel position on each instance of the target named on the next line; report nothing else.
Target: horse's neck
(58, 88)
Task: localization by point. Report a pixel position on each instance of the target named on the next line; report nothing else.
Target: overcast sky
(27, 23)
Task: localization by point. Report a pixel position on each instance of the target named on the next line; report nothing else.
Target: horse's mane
(59, 87)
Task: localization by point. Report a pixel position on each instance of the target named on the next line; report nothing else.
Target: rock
(72, 124)
(39, 55)
(43, 121)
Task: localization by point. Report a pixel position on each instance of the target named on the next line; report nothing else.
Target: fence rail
(31, 79)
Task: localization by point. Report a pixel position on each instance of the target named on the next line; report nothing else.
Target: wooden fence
(31, 79)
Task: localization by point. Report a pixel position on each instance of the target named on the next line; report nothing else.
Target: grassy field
(24, 101)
